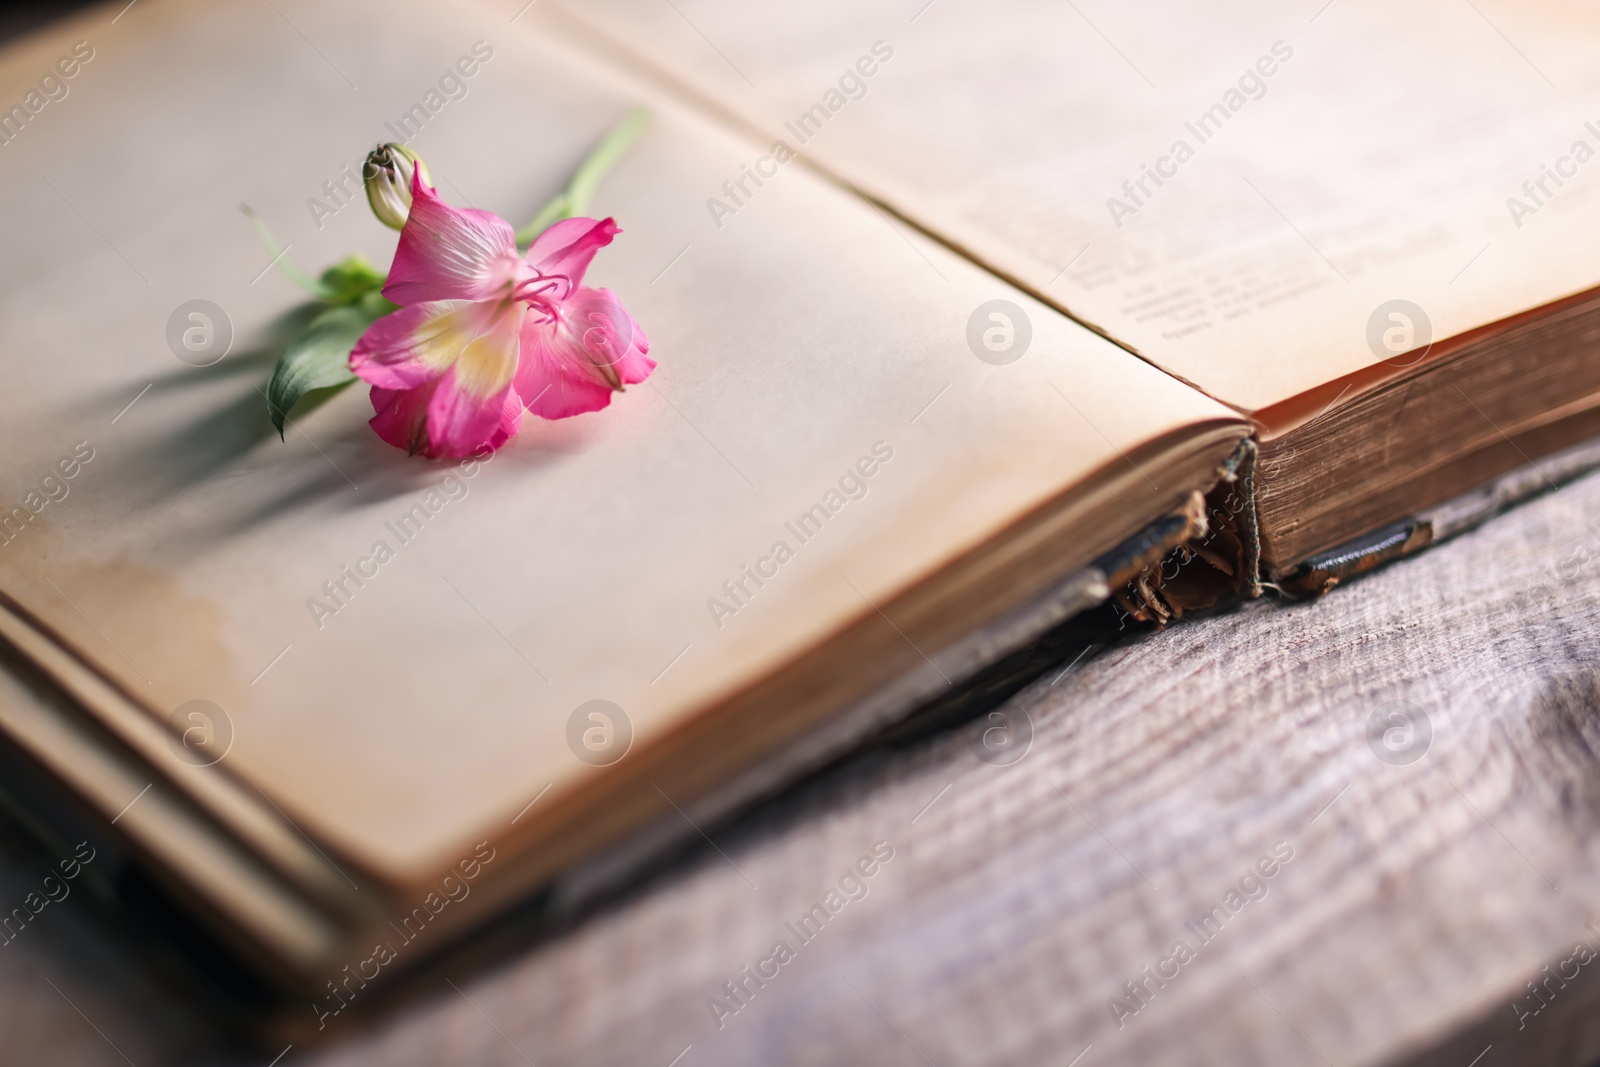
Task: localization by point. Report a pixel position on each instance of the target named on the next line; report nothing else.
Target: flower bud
(388, 172)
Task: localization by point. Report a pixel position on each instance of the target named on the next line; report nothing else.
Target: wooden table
(1416, 884)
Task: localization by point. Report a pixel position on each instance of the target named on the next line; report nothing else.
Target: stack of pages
(969, 320)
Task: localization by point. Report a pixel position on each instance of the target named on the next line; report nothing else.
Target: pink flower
(483, 333)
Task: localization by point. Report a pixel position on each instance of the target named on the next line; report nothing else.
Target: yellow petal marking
(488, 360)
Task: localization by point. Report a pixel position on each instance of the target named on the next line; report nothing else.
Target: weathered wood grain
(1419, 899)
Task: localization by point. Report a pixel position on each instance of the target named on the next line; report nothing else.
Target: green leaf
(280, 256)
(317, 359)
(375, 305)
(351, 279)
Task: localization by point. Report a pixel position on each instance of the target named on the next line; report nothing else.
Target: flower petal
(461, 422)
(510, 420)
(415, 344)
(608, 337)
(488, 360)
(448, 253)
(402, 421)
(573, 364)
(466, 402)
(566, 248)
(402, 416)
(552, 390)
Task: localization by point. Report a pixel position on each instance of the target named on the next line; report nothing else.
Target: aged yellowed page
(1244, 192)
(398, 647)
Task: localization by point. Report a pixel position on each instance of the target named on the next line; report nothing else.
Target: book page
(399, 646)
(1246, 194)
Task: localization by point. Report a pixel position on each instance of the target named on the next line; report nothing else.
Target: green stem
(285, 264)
(605, 156)
(574, 200)
(553, 211)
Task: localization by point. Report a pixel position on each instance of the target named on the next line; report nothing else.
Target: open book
(955, 345)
